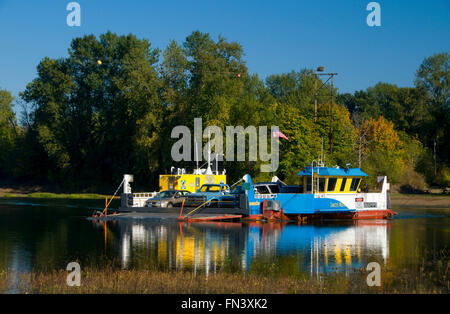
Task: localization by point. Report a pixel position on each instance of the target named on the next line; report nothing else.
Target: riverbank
(53, 195)
(35, 193)
(17, 190)
(441, 201)
(404, 200)
(94, 281)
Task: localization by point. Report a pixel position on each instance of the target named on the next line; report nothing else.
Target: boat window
(262, 189)
(308, 184)
(274, 188)
(292, 189)
(322, 184)
(355, 183)
(331, 184)
(344, 182)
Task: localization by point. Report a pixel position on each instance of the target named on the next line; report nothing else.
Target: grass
(12, 195)
(439, 201)
(71, 196)
(57, 196)
(420, 195)
(95, 281)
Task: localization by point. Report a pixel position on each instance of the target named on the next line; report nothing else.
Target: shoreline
(397, 199)
(421, 200)
(36, 194)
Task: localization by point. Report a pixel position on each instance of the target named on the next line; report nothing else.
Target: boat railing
(139, 199)
(145, 194)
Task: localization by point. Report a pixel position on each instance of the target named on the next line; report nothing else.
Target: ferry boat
(324, 192)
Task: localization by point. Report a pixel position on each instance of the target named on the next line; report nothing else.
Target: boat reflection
(324, 247)
(209, 247)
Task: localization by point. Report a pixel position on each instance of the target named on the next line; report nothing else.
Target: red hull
(374, 214)
(367, 214)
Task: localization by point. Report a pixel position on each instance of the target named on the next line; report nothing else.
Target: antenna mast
(208, 169)
(197, 170)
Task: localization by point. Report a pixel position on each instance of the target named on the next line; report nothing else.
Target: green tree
(298, 89)
(433, 77)
(304, 141)
(405, 107)
(208, 79)
(408, 110)
(96, 112)
(216, 70)
(9, 132)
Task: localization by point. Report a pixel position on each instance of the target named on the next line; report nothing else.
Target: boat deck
(171, 214)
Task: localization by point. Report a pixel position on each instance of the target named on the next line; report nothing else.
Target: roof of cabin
(335, 172)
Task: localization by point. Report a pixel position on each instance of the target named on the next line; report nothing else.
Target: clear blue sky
(277, 36)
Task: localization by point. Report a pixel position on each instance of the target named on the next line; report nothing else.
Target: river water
(48, 234)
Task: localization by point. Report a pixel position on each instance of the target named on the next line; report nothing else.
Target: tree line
(109, 107)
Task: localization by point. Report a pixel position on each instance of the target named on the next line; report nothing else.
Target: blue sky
(277, 36)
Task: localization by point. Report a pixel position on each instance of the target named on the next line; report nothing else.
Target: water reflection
(209, 247)
(49, 236)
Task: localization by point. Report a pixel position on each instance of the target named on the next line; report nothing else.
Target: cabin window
(308, 184)
(322, 184)
(331, 184)
(344, 182)
(354, 185)
(274, 188)
(262, 189)
(292, 189)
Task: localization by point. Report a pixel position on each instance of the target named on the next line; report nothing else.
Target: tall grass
(111, 280)
(57, 196)
(71, 196)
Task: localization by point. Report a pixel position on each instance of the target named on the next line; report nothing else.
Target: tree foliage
(385, 147)
(96, 113)
(109, 108)
(421, 112)
(9, 131)
(433, 76)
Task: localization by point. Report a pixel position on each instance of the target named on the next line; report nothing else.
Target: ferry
(324, 192)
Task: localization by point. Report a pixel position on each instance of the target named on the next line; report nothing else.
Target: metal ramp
(209, 217)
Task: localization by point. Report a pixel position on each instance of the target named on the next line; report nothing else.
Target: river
(40, 234)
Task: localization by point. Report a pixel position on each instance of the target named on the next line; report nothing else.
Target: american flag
(279, 134)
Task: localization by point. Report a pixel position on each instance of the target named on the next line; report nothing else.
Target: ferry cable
(212, 198)
(106, 207)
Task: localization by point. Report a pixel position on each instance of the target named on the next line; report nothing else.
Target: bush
(412, 180)
(443, 177)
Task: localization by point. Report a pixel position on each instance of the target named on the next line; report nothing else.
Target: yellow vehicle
(189, 182)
